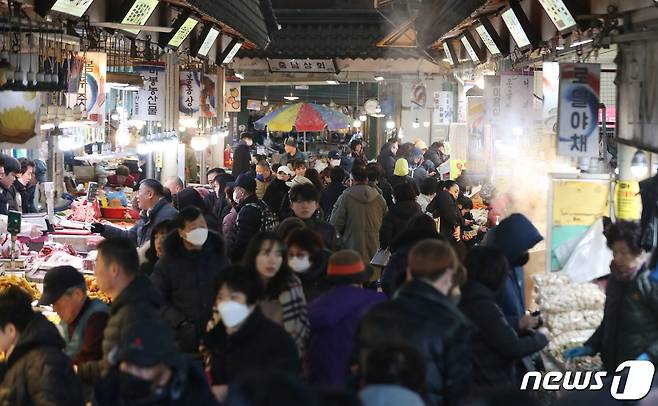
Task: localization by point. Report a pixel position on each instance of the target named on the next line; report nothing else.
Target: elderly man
(154, 210)
(174, 184)
(82, 319)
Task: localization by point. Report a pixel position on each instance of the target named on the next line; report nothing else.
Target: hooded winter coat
(334, 318)
(424, 318)
(260, 344)
(138, 302)
(497, 346)
(395, 272)
(358, 216)
(186, 281)
(37, 372)
(629, 327)
(445, 207)
(395, 221)
(514, 236)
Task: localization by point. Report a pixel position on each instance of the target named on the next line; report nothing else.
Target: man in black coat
(305, 205)
(149, 371)
(36, 371)
(134, 299)
(332, 192)
(277, 192)
(185, 277)
(251, 213)
(387, 156)
(444, 206)
(292, 153)
(424, 316)
(242, 155)
(217, 201)
(10, 167)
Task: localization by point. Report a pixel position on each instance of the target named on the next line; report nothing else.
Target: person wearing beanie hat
(334, 317)
(421, 145)
(402, 174)
(148, 370)
(253, 215)
(401, 167)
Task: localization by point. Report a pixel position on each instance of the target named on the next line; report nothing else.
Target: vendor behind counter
(122, 178)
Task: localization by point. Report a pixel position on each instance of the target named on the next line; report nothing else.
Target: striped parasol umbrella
(304, 117)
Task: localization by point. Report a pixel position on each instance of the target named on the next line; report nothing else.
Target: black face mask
(522, 260)
(132, 387)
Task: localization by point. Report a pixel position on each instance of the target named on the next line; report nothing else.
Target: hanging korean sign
(232, 97)
(189, 101)
(208, 99)
(578, 128)
(516, 103)
(150, 103)
(18, 116)
(492, 99)
(91, 92)
(445, 107)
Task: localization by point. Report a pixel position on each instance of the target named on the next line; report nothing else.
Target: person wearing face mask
(423, 316)
(278, 189)
(334, 317)
(334, 159)
(263, 178)
(194, 257)
(629, 329)
(497, 346)
(284, 301)
(148, 370)
(308, 258)
(35, 370)
(243, 339)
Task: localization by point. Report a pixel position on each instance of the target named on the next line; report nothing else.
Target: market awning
(437, 17)
(252, 18)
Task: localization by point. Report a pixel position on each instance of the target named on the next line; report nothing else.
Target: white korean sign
(151, 98)
(516, 101)
(189, 102)
(445, 107)
(578, 124)
(492, 99)
(302, 65)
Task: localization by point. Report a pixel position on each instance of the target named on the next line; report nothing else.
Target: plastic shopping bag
(591, 258)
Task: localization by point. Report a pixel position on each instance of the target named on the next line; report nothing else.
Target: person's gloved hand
(97, 228)
(582, 351)
(644, 357)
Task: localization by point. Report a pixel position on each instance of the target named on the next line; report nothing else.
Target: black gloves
(97, 228)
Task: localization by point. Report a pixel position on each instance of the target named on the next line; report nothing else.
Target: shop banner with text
(150, 103)
(189, 102)
(516, 104)
(492, 99)
(91, 92)
(578, 127)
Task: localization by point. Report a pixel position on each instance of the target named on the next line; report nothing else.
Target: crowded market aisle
(450, 202)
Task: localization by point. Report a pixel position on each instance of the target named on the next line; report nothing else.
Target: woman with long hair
(284, 301)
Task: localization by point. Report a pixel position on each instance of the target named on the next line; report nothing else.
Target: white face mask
(335, 162)
(299, 264)
(320, 166)
(197, 237)
(236, 196)
(233, 313)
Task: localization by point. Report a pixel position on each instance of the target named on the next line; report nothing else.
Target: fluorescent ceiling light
(581, 42)
(488, 40)
(291, 97)
(332, 82)
(449, 54)
(470, 50)
(239, 75)
(227, 55)
(379, 78)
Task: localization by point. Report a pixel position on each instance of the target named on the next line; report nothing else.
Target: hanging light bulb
(363, 117)
(400, 134)
(265, 103)
(227, 119)
(416, 123)
(639, 165)
(426, 124)
(390, 124)
(356, 124)
(199, 143)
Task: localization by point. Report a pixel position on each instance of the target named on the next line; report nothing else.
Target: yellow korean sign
(628, 204)
(579, 202)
